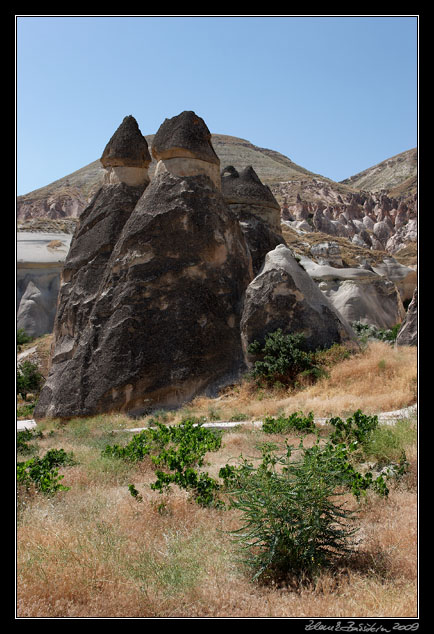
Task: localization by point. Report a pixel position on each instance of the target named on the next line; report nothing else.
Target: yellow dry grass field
(95, 551)
(378, 379)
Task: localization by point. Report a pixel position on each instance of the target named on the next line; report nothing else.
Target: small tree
(29, 379)
(22, 337)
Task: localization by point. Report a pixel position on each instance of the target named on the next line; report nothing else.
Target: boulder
(328, 253)
(284, 296)
(407, 335)
(404, 277)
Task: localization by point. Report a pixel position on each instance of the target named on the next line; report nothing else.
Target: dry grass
(100, 553)
(94, 551)
(378, 379)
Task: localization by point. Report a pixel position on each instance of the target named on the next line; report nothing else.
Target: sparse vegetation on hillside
(388, 174)
(110, 544)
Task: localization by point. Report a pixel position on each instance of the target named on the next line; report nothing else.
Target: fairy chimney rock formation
(245, 189)
(158, 320)
(182, 146)
(95, 237)
(126, 157)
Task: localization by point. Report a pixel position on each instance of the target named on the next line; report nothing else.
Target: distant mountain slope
(396, 173)
(67, 196)
(386, 192)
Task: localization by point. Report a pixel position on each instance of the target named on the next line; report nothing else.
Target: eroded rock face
(244, 191)
(284, 296)
(359, 294)
(407, 335)
(126, 156)
(40, 259)
(165, 322)
(372, 219)
(100, 227)
(182, 147)
(256, 209)
(37, 307)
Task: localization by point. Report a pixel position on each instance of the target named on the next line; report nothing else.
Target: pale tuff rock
(403, 276)
(40, 259)
(369, 219)
(360, 294)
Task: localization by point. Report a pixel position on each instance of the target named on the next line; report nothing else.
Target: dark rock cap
(184, 136)
(127, 147)
(246, 187)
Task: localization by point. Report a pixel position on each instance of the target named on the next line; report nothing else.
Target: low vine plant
(284, 424)
(177, 451)
(43, 473)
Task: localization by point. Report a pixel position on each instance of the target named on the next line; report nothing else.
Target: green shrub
(292, 524)
(29, 379)
(26, 410)
(283, 358)
(284, 424)
(24, 436)
(365, 332)
(23, 337)
(357, 427)
(43, 472)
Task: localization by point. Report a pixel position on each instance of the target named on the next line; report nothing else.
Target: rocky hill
(345, 236)
(388, 175)
(375, 209)
(67, 196)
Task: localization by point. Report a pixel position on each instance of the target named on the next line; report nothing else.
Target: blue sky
(336, 94)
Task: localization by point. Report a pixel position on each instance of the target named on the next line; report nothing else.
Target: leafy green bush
(283, 358)
(43, 472)
(29, 379)
(365, 332)
(357, 427)
(178, 449)
(24, 436)
(26, 410)
(283, 424)
(23, 337)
